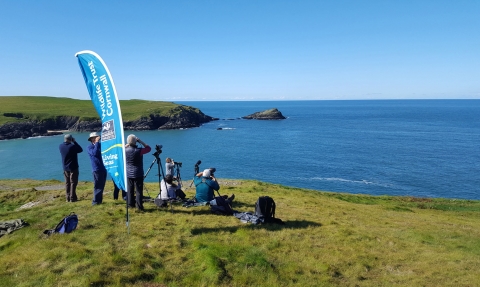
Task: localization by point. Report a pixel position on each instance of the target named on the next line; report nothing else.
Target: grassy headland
(42, 108)
(329, 239)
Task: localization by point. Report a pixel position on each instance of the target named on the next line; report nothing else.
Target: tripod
(197, 168)
(177, 171)
(157, 160)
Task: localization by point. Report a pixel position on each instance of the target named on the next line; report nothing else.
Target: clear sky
(245, 49)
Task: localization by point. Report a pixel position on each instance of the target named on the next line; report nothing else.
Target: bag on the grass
(220, 206)
(265, 208)
(68, 224)
(160, 202)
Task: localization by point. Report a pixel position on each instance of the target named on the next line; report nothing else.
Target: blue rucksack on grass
(68, 224)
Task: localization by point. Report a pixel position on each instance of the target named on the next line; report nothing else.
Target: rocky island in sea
(271, 114)
(29, 116)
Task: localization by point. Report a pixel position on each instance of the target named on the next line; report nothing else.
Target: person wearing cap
(98, 169)
(205, 185)
(69, 151)
(134, 159)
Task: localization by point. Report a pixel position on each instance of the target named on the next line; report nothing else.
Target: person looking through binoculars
(134, 159)
(69, 150)
(169, 167)
(206, 184)
(98, 169)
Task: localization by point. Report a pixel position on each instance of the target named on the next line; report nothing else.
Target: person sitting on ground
(205, 185)
(170, 190)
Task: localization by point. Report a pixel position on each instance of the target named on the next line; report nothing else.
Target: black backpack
(222, 207)
(67, 225)
(265, 208)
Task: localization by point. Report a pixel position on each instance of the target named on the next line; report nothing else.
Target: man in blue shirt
(98, 169)
(69, 150)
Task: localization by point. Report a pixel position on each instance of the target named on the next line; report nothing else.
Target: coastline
(58, 131)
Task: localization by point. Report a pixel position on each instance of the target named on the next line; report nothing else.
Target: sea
(419, 148)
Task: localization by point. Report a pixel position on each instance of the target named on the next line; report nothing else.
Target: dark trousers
(116, 191)
(135, 187)
(71, 181)
(99, 180)
(180, 193)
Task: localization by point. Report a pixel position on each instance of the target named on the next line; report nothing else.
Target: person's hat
(67, 137)
(206, 173)
(92, 135)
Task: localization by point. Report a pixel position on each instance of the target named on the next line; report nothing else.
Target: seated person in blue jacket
(206, 184)
(170, 190)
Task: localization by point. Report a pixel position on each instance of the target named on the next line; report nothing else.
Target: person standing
(98, 168)
(116, 191)
(69, 151)
(134, 158)
(169, 166)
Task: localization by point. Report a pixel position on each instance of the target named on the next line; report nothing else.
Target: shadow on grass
(176, 210)
(182, 210)
(293, 224)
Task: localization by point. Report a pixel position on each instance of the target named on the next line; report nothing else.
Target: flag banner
(104, 97)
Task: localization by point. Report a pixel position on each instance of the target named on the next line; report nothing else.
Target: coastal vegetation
(27, 116)
(23, 108)
(329, 239)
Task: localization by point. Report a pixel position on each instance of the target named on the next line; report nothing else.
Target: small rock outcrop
(272, 114)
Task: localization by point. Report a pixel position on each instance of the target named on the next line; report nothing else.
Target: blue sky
(245, 50)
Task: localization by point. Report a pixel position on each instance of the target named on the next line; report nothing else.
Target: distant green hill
(25, 116)
(41, 108)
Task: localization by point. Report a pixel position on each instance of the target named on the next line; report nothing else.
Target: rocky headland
(21, 126)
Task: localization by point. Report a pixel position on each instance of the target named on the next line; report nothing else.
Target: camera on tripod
(178, 163)
(158, 150)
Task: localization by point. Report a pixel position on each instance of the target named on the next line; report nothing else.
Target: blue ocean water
(423, 148)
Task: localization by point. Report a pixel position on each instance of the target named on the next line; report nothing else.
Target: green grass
(329, 239)
(42, 108)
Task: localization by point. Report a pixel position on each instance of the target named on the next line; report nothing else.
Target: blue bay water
(423, 148)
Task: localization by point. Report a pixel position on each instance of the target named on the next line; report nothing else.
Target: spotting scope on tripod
(196, 170)
(156, 154)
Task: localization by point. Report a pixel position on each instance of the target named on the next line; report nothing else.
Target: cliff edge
(43, 117)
